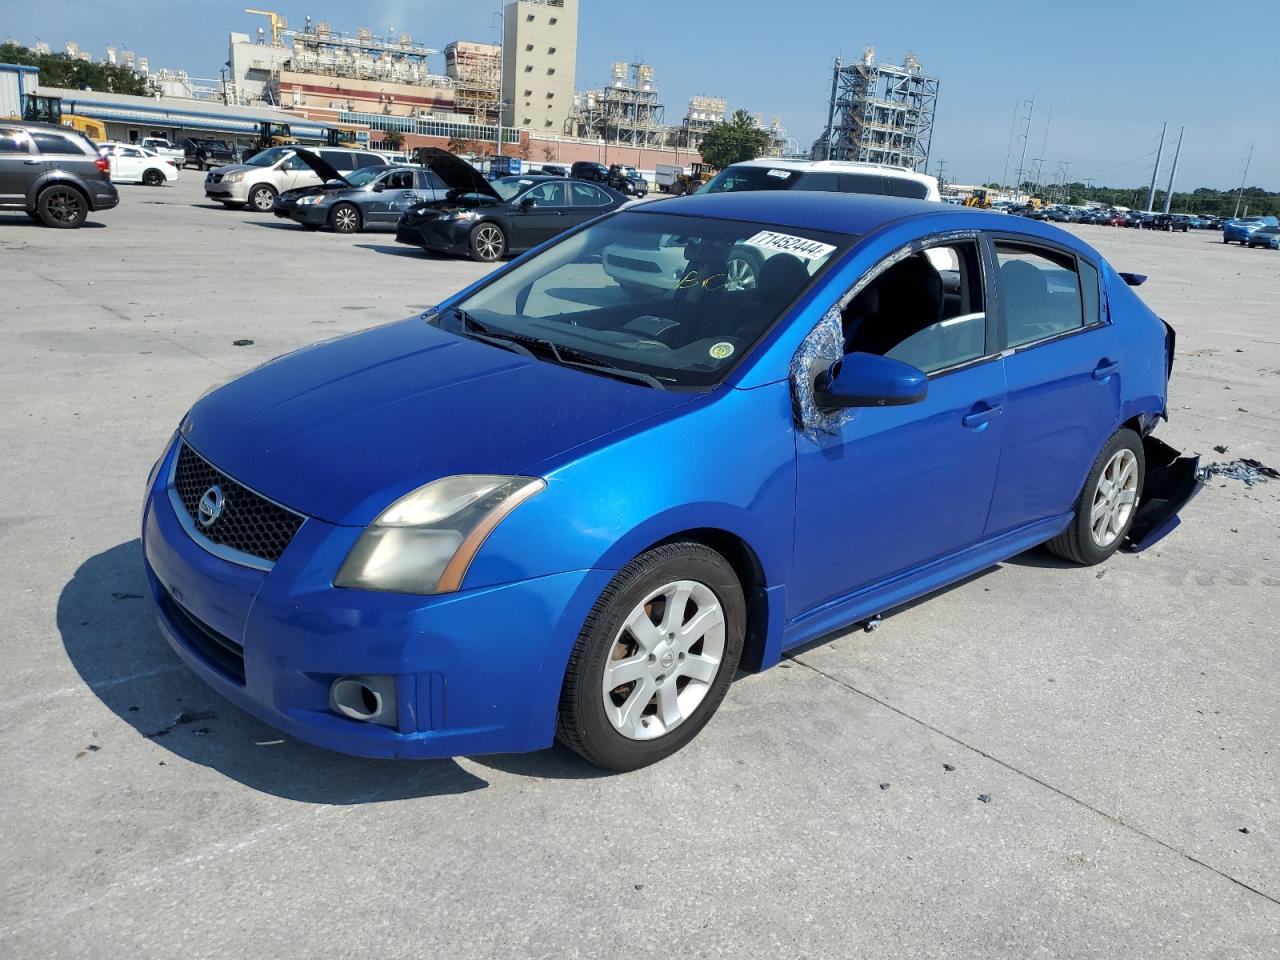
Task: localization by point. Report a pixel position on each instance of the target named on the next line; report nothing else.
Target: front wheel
(654, 658)
(262, 198)
(345, 218)
(488, 243)
(1106, 506)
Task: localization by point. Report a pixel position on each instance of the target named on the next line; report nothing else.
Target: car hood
(341, 430)
(322, 169)
(458, 175)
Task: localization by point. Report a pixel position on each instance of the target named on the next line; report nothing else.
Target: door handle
(32, 163)
(1105, 369)
(980, 417)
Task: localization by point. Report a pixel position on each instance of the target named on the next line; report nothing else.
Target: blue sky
(1112, 72)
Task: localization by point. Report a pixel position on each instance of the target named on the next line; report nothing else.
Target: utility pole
(1168, 195)
(1026, 135)
(1240, 194)
(831, 112)
(942, 165)
(502, 67)
(1013, 126)
(1066, 174)
(1151, 194)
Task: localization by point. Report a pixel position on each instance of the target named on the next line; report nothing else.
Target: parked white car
(162, 148)
(132, 164)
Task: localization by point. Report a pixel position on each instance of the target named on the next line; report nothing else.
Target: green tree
(393, 140)
(59, 70)
(732, 142)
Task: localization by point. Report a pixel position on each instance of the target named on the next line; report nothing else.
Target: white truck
(664, 175)
(163, 148)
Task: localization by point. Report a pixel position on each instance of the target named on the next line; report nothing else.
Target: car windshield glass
(751, 178)
(508, 187)
(676, 300)
(358, 178)
(270, 157)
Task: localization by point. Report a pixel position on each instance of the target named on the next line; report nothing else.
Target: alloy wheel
(1114, 498)
(488, 242)
(740, 274)
(345, 220)
(664, 660)
(64, 206)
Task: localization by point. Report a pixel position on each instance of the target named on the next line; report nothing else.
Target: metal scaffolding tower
(628, 111)
(880, 113)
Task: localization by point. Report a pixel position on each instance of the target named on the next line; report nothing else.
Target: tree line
(1208, 201)
(60, 70)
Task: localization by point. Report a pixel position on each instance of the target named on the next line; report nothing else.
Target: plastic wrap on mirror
(820, 349)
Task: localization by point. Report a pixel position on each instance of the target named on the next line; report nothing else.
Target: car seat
(902, 301)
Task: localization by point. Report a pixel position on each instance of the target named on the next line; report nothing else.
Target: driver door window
(927, 310)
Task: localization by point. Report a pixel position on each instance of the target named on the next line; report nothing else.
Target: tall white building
(539, 59)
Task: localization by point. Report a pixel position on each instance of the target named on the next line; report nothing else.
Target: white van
(834, 176)
(269, 173)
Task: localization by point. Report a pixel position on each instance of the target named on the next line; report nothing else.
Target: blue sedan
(563, 505)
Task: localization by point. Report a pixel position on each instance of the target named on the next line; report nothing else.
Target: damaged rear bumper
(1171, 482)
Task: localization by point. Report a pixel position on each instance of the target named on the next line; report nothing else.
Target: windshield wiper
(562, 355)
(476, 330)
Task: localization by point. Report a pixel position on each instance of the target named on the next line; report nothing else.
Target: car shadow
(7, 219)
(397, 250)
(1042, 558)
(108, 628)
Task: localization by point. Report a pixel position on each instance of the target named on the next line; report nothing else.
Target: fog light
(366, 699)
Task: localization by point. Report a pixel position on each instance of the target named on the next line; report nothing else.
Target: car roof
(836, 166)
(853, 214)
(39, 125)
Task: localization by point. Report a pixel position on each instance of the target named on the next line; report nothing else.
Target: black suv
(588, 170)
(203, 153)
(53, 173)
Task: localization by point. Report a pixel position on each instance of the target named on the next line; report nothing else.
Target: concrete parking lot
(1040, 762)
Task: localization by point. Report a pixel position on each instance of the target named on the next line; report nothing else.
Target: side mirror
(869, 380)
(379, 187)
(527, 202)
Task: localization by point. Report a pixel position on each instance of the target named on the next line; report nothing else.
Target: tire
(678, 684)
(153, 178)
(1122, 465)
(345, 218)
(742, 270)
(262, 197)
(487, 242)
(62, 207)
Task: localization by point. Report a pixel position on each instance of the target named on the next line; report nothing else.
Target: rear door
(1063, 365)
(589, 201)
(127, 164)
(70, 153)
(547, 216)
(19, 164)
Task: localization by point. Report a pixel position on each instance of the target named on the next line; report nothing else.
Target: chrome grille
(248, 523)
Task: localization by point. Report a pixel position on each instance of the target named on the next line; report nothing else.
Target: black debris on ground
(949, 767)
(884, 786)
(186, 717)
(1219, 449)
(984, 797)
(1244, 469)
(242, 343)
(1244, 829)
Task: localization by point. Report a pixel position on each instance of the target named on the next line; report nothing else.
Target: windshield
(358, 178)
(508, 187)
(676, 300)
(751, 178)
(270, 157)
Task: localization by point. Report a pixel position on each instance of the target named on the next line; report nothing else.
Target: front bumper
(235, 192)
(312, 214)
(475, 672)
(442, 236)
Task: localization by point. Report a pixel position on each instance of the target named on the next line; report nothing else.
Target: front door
(546, 217)
(397, 196)
(19, 165)
(885, 490)
(1063, 368)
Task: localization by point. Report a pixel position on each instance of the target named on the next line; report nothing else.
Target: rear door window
(53, 143)
(871, 183)
(367, 160)
(902, 187)
(1040, 291)
(822, 182)
(587, 195)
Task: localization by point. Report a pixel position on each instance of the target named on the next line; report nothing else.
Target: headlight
(424, 542)
(310, 199)
(233, 178)
(459, 215)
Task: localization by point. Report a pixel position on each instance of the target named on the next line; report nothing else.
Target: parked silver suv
(53, 173)
(269, 173)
